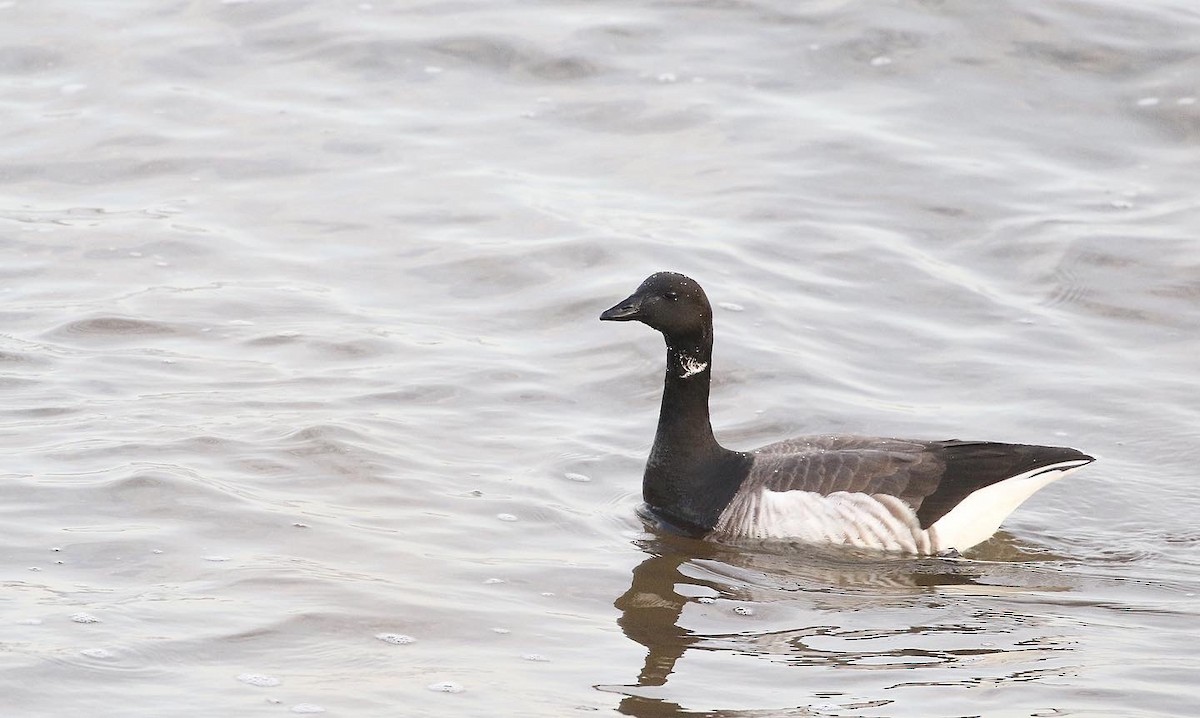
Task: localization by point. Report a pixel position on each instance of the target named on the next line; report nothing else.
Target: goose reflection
(680, 571)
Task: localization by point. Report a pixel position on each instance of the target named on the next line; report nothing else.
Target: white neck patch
(690, 366)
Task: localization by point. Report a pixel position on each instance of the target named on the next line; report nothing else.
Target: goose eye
(671, 295)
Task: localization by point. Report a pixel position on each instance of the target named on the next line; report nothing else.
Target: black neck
(690, 477)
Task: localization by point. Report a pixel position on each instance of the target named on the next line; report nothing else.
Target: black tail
(972, 465)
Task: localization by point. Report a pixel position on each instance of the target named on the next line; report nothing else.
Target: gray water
(307, 407)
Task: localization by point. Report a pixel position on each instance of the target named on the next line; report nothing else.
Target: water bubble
(706, 599)
(397, 639)
(493, 581)
(260, 680)
(307, 708)
(743, 610)
(506, 517)
(29, 622)
(433, 70)
(1148, 102)
(730, 306)
(534, 657)
(581, 478)
(501, 631)
(446, 687)
(880, 61)
(82, 617)
(667, 77)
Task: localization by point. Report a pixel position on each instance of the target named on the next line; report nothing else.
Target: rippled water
(307, 408)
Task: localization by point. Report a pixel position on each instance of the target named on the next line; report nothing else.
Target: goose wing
(930, 476)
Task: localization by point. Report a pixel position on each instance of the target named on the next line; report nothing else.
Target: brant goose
(913, 496)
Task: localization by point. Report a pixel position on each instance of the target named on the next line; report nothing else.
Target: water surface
(307, 407)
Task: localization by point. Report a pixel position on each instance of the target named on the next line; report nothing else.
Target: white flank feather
(862, 520)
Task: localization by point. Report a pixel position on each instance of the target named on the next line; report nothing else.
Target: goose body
(911, 496)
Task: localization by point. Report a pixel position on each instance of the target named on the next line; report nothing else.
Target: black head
(671, 303)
